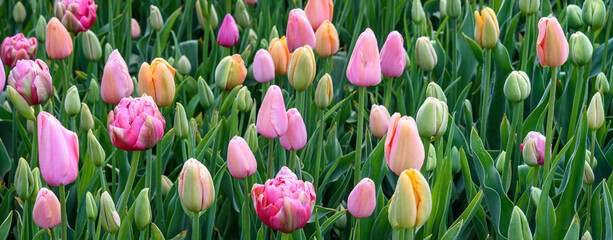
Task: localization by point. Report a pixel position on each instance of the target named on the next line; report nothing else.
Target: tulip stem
(320, 145)
(270, 166)
(285, 236)
(549, 134)
(486, 92)
(388, 92)
(34, 152)
(148, 169)
(90, 228)
(426, 142)
(358, 146)
(25, 231)
(577, 99)
(52, 233)
(506, 178)
(409, 233)
(292, 161)
(63, 207)
(158, 187)
(246, 228)
(123, 199)
(195, 226)
(103, 181)
(356, 234)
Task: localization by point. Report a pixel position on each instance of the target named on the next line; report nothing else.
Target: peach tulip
(58, 42)
(158, 81)
(393, 60)
(318, 11)
(403, 146)
(272, 120)
(46, 212)
(362, 199)
(241, 161)
(551, 45)
(116, 80)
(296, 136)
(299, 31)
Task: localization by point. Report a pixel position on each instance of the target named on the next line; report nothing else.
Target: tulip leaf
(206, 141)
(5, 160)
(38, 235)
(475, 48)
(608, 206)
(381, 228)
(597, 212)
(327, 225)
(6, 226)
(469, 212)
(156, 234)
(453, 232)
(573, 230)
(164, 33)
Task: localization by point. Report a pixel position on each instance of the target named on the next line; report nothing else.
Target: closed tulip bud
(426, 56)
(205, 94)
(86, 121)
(393, 59)
(241, 161)
(181, 125)
(595, 113)
(580, 49)
(588, 174)
(32, 81)
(280, 55)
(594, 13)
(379, 120)
(116, 80)
(46, 212)
(213, 18)
(166, 185)
(517, 86)
(341, 222)
(519, 228)
(529, 7)
(30, 126)
(244, 100)
(500, 162)
(364, 68)
(272, 118)
(453, 8)
(403, 146)
(196, 188)
(158, 81)
(142, 213)
(327, 42)
(7, 107)
(72, 102)
(93, 95)
(302, 68)
(431, 162)
(184, 66)
(535, 194)
(251, 137)
(23, 108)
(467, 112)
(108, 50)
(41, 29)
(263, 66)
(295, 137)
(299, 31)
(411, 204)
(602, 83)
(230, 72)
(19, 13)
(432, 118)
(455, 160)
(228, 32)
(242, 16)
(200, 14)
(58, 41)
(574, 18)
(108, 215)
(91, 46)
(274, 33)
(435, 91)
(318, 11)
(91, 209)
(24, 181)
(134, 29)
(362, 199)
(418, 16)
(58, 151)
(551, 45)
(324, 93)
(486, 28)
(155, 18)
(95, 150)
(586, 236)
(533, 149)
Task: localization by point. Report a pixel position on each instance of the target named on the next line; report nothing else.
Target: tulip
(453, 8)
(486, 28)
(116, 81)
(431, 161)
(136, 124)
(41, 29)
(230, 72)
(166, 185)
(403, 146)
(586, 236)
(20, 104)
(435, 91)
(602, 83)
(58, 151)
(284, 203)
(158, 81)
(327, 42)
(196, 188)
(184, 66)
(295, 137)
(242, 16)
(17, 47)
(155, 18)
(574, 16)
(95, 150)
(213, 19)
(411, 204)
(302, 68)
(77, 15)
(251, 137)
(324, 92)
(392, 55)
(142, 213)
(318, 11)
(24, 181)
(280, 55)
(91, 46)
(364, 68)
(442, 8)
(263, 66)
(299, 31)
(379, 120)
(432, 118)
(595, 113)
(594, 13)
(362, 199)
(417, 12)
(272, 120)
(517, 86)
(205, 94)
(91, 210)
(2, 76)
(244, 102)
(341, 222)
(580, 49)
(108, 215)
(58, 42)
(46, 212)
(228, 33)
(241, 161)
(551, 45)
(32, 81)
(72, 102)
(588, 174)
(519, 227)
(19, 13)
(533, 149)
(425, 54)
(135, 29)
(181, 126)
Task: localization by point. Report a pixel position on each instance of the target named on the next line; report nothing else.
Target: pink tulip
(379, 120)
(364, 67)
(241, 161)
(58, 42)
(272, 119)
(284, 203)
(318, 11)
(362, 199)
(32, 81)
(196, 188)
(392, 55)
(135, 29)
(116, 80)
(58, 151)
(551, 45)
(536, 154)
(403, 146)
(296, 136)
(136, 124)
(2, 76)
(251, 2)
(299, 31)
(263, 67)
(18, 47)
(77, 15)
(228, 32)
(47, 209)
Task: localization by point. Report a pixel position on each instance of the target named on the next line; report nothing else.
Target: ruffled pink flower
(76, 15)
(32, 81)
(136, 124)
(18, 47)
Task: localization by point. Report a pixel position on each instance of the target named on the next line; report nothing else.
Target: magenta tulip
(241, 161)
(136, 124)
(299, 31)
(228, 32)
(18, 47)
(58, 151)
(2, 76)
(46, 212)
(272, 119)
(76, 15)
(403, 146)
(251, 2)
(392, 55)
(263, 66)
(116, 80)
(362, 199)
(364, 67)
(32, 80)
(551, 45)
(296, 136)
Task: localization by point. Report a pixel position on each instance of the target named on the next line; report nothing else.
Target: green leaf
(330, 221)
(165, 31)
(573, 230)
(469, 212)
(474, 47)
(381, 229)
(453, 232)
(6, 226)
(5, 160)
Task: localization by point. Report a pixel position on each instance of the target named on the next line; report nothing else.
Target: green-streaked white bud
(341, 222)
(454, 8)
(86, 120)
(432, 118)
(602, 83)
(142, 213)
(19, 13)
(95, 150)
(535, 194)
(588, 174)
(108, 215)
(595, 113)
(91, 209)
(41, 29)
(244, 100)
(594, 13)
(580, 49)
(205, 94)
(529, 7)
(467, 113)
(500, 162)
(241, 14)
(425, 54)
(586, 236)
(418, 16)
(93, 95)
(517, 86)
(91, 46)
(435, 91)
(324, 93)
(72, 102)
(213, 19)
(181, 125)
(166, 185)
(155, 18)
(184, 66)
(519, 228)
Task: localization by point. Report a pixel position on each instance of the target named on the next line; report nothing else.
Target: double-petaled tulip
(158, 81)
(296, 136)
(432, 118)
(327, 42)
(533, 149)
(17, 47)
(228, 32)
(241, 161)
(517, 86)
(425, 54)
(364, 68)
(32, 81)
(403, 146)
(302, 68)
(108, 214)
(299, 30)
(230, 72)
(196, 188)
(76, 15)
(2, 76)
(362, 199)
(284, 203)
(324, 93)
(136, 124)
(116, 81)
(486, 28)
(46, 212)
(58, 42)
(263, 66)
(411, 204)
(595, 113)
(280, 55)
(580, 49)
(379, 120)
(551, 45)
(318, 11)
(392, 55)
(135, 29)
(58, 151)
(272, 119)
